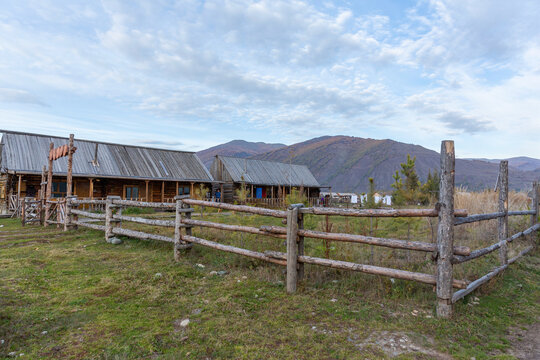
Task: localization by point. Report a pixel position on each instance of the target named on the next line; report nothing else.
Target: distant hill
(237, 148)
(346, 163)
(522, 163)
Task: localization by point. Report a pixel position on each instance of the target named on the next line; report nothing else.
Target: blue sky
(190, 74)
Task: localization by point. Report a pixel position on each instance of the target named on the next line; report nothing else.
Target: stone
(158, 275)
(115, 241)
(201, 266)
(44, 332)
(184, 323)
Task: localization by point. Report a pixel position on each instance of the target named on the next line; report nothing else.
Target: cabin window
(59, 189)
(132, 192)
(183, 190)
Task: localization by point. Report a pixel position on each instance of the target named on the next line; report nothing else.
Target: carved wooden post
(49, 186)
(503, 207)
(534, 204)
(108, 216)
(179, 244)
(292, 248)
(69, 181)
(445, 232)
(43, 196)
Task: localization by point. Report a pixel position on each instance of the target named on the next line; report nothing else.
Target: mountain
(346, 163)
(522, 163)
(237, 148)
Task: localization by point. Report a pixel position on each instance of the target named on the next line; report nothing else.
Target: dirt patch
(526, 343)
(396, 343)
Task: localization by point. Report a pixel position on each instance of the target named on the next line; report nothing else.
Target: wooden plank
(475, 284)
(89, 201)
(233, 249)
(445, 231)
(69, 182)
(49, 187)
(478, 217)
(369, 269)
(378, 212)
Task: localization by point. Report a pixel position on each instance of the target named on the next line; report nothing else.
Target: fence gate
(57, 212)
(31, 211)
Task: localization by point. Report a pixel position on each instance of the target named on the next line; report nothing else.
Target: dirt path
(526, 343)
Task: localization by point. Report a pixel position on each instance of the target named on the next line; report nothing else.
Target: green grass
(100, 301)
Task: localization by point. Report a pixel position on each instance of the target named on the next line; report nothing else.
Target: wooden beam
(91, 189)
(191, 190)
(163, 191)
(146, 192)
(19, 184)
(49, 186)
(176, 193)
(241, 208)
(445, 232)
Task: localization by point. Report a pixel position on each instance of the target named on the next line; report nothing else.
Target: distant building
(263, 179)
(99, 169)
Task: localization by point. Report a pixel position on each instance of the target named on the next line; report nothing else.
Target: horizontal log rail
(490, 216)
(88, 201)
(88, 214)
(391, 243)
(140, 220)
(369, 269)
(246, 229)
(233, 249)
(378, 212)
(89, 225)
(141, 235)
(241, 208)
(477, 283)
(156, 205)
(484, 251)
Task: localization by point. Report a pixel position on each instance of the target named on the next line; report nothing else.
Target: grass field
(72, 295)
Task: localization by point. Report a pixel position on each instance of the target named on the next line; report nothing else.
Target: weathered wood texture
(534, 203)
(241, 208)
(292, 249)
(445, 232)
(232, 249)
(89, 202)
(49, 187)
(69, 183)
(246, 229)
(379, 212)
(140, 235)
(477, 283)
(484, 251)
(391, 243)
(89, 225)
(369, 269)
(140, 220)
(88, 214)
(156, 205)
(502, 228)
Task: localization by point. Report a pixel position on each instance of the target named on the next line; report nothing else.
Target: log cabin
(266, 182)
(99, 169)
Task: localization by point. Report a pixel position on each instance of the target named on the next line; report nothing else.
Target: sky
(188, 74)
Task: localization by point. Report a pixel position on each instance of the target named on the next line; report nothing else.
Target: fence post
(68, 217)
(300, 246)
(534, 204)
(503, 207)
(179, 244)
(292, 248)
(445, 231)
(108, 216)
(23, 211)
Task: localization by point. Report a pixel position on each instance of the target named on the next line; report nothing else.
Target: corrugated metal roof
(27, 153)
(262, 172)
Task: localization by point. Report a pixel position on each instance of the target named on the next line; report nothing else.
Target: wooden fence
(445, 253)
